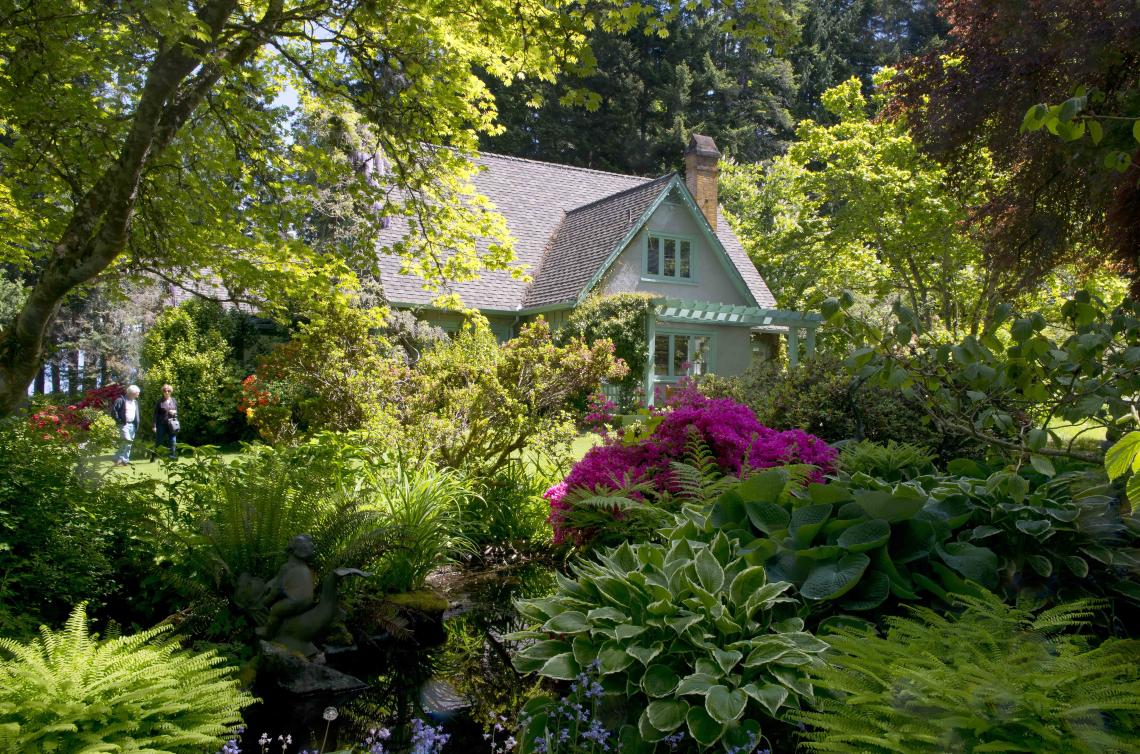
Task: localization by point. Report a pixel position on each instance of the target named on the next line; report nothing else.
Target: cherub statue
(290, 592)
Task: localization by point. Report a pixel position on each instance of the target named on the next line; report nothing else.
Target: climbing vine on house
(623, 319)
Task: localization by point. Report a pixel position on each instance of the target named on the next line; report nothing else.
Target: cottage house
(586, 232)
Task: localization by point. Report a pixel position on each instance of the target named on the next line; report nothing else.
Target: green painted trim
(706, 231)
(649, 277)
(651, 331)
(707, 312)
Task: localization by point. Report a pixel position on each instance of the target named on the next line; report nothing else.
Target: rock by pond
(439, 655)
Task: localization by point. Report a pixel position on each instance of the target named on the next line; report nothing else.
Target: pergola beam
(707, 312)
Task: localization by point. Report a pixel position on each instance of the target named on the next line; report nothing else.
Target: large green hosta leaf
(725, 705)
(831, 580)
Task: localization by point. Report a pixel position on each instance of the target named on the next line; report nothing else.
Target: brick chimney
(701, 169)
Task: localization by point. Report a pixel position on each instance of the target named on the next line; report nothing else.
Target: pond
(454, 676)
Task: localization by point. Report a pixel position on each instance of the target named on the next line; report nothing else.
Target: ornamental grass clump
(69, 692)
(734, 439)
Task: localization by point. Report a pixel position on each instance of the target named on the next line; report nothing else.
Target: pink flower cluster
(599, 416)
(731, 432)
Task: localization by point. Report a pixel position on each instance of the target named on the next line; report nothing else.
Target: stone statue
(286, 608)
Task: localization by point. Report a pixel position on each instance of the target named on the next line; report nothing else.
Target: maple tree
(157, 138)
(1003, 57)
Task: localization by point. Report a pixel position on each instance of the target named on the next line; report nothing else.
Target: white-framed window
(677, 355)
(669, 257)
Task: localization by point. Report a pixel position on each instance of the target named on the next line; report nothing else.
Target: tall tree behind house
(652, 91)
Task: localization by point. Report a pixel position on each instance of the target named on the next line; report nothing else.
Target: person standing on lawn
(165, 424)
(125, 412)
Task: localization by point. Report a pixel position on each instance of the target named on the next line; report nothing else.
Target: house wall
(712, 281)
(732, 346)
(501, 325)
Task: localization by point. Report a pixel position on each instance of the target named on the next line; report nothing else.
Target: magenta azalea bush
(731, 432)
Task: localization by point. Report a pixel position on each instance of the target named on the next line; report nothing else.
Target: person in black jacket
(125, 412)
(165, 424)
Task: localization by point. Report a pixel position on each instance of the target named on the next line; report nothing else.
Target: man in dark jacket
(125, 412)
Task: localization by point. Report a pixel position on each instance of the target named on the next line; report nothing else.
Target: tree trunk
(73, 386)
(56, 382)
(38, 385)
(177, 82)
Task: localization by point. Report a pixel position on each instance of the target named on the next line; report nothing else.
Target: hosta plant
(851, 545)
(894, 461)
(71, 693)
(1057, 535)
(692, 635)
(993, 678)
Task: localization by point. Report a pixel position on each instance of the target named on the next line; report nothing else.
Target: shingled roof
(584, 241)
(565, 222)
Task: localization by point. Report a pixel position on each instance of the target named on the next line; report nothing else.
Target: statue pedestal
(294, 674)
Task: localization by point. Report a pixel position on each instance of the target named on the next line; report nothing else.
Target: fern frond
(125, 693)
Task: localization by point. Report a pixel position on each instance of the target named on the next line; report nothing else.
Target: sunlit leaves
(855, 206)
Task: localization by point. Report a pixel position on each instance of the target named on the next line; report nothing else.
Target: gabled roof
(584, 241)
(561, 218)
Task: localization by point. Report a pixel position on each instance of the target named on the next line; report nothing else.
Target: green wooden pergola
(797, 327)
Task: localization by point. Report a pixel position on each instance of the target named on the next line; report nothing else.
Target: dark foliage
(820, 397)
(1002, 58)
(651, 93)
(65, 535)
(844, 38)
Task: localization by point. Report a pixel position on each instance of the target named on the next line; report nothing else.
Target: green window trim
(669, 258)
(682, 353)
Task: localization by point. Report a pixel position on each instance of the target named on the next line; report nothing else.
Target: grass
(583, 443)
(1089, 433)
(143, 468)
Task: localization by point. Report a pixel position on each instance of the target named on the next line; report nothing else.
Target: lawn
(1086, 433)
(142, 467)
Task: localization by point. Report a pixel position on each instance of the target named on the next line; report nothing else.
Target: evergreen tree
(706, 73)
(844, 38)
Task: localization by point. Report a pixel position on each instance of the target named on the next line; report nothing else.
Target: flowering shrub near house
(735, 439)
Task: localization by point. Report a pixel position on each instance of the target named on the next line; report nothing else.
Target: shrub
(235, 516)
(850, 547)
(728, 431)
(995, 678)
(421, 509)
(69, 692)
(473, 405)
(1013, 384)
(623, 320)
(1057, 537)
(686, 635)
(817, 396)
(61, 532)
(85, 421)
(509, 513)
(335, 374)
(187, 348)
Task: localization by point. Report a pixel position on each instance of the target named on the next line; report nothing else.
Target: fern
(995, 678)
(616, 516)
(71, 692)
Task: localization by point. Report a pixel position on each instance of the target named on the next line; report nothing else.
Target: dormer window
(669, 257)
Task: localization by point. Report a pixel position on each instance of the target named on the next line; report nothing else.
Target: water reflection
(460, 677)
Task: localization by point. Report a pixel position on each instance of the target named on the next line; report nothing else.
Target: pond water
(454, 676)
